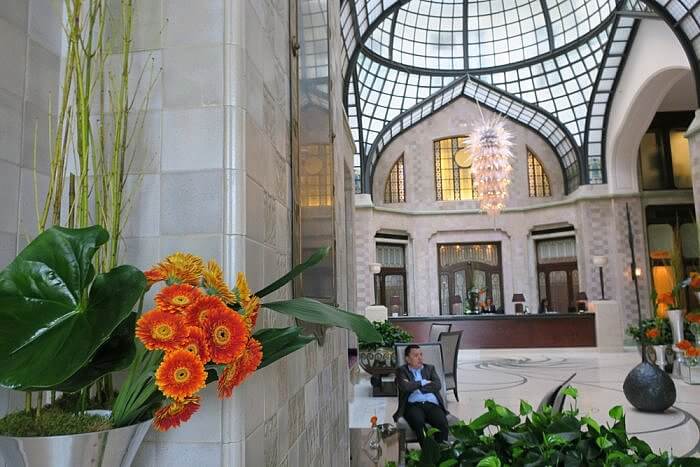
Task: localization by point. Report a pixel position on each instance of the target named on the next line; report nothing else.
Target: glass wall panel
(651, 162)
(313, 154)
(680, 157)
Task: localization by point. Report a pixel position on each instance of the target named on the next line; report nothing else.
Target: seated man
(419, 395)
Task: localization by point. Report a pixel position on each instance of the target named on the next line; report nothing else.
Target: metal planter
(110, 448)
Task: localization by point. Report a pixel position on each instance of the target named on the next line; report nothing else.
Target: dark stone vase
(649, 388)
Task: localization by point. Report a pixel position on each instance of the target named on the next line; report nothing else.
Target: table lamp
(518, 299)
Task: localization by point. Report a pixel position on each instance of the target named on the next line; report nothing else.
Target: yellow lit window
(394, 189)
(453, 173)
(538, 181)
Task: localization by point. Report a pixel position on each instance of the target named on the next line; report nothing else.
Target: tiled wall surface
(29, 75)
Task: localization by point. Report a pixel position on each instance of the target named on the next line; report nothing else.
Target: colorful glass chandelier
(489, 144)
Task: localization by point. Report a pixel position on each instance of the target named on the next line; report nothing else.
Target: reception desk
(509, 331)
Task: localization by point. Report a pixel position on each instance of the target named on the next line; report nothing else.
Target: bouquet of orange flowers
(201, 331)
(691, 353)
(693, 281)
(198, 321)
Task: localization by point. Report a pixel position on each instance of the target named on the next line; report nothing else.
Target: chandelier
(489, 145)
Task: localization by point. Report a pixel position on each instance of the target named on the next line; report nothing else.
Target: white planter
(110, 448)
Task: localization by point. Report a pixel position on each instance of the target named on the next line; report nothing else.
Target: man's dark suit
(418, 414)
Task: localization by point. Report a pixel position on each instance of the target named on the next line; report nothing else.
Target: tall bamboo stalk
(89, 94)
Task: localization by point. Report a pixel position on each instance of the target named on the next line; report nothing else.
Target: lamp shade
(518, 298)
(456, 299)
(582, 297)
(375, 268)
(600, 261)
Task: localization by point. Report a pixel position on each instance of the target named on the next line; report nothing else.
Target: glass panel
(680, 157)
(542, 281)
(480, 253)
(461, 285)
(394, 187)
(538, 181)
(390, 256)
(313, 165)
(496, 291)
(479, 281)
(689, 240)
(444, 295)
(453, 178)
(394, 294)
(651, 160)
(574, 284)
(663, 279)
(559, 291)
(660, 241)
(560, 250)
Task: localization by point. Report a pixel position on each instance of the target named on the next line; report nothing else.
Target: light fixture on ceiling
(489, 145)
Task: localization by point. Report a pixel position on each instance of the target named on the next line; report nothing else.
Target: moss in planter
(51, 422)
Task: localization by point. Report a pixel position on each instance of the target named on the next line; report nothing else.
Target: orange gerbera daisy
(236, 372)
(652, 333)
(177, 298)
(666, 299)
(155, 275)
(196, 343)
(180, 375)
(182, 268)
(692, 352)
(158, 329)
(684, 345)
(175, 413)
(693, 317)
(242, 290)
(250, 311)
(226, 333)
(197, 313)
(213, 281)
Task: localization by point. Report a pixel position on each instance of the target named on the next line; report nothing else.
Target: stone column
(693, 135)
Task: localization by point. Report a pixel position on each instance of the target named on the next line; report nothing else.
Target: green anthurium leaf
(54, 312)
(616, 413)
(313, 311)
(449, 463)
(525, 408)
(603, 443)
(588, 421)
(491, 461)
(280, 342)
(114, 355)
(296, 270)
(571, 392)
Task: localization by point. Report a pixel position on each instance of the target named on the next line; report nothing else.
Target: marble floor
(507, 376)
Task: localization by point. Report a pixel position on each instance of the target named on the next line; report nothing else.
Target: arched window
(394, 189)
(537, 179)
(453, 170)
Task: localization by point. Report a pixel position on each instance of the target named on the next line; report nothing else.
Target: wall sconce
(601, 261)
(638, 272)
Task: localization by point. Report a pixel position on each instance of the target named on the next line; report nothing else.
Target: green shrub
(390, 335)
(501, 437)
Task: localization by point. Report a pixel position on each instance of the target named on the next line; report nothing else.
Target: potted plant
(382, 354)
(63, 327)
(540, 437)
(379, 358)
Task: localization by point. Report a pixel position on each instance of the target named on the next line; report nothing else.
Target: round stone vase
(110, 448)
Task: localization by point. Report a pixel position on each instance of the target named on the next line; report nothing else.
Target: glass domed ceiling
(453, 35)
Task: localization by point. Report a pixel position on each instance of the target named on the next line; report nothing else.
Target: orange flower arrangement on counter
(198, 321)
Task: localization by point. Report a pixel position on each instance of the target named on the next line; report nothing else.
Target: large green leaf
(114, 355)
(313, 311)
(296, 270)
(54, 312)
(278, 343)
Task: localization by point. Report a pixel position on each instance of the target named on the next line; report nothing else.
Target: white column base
(608, 325)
